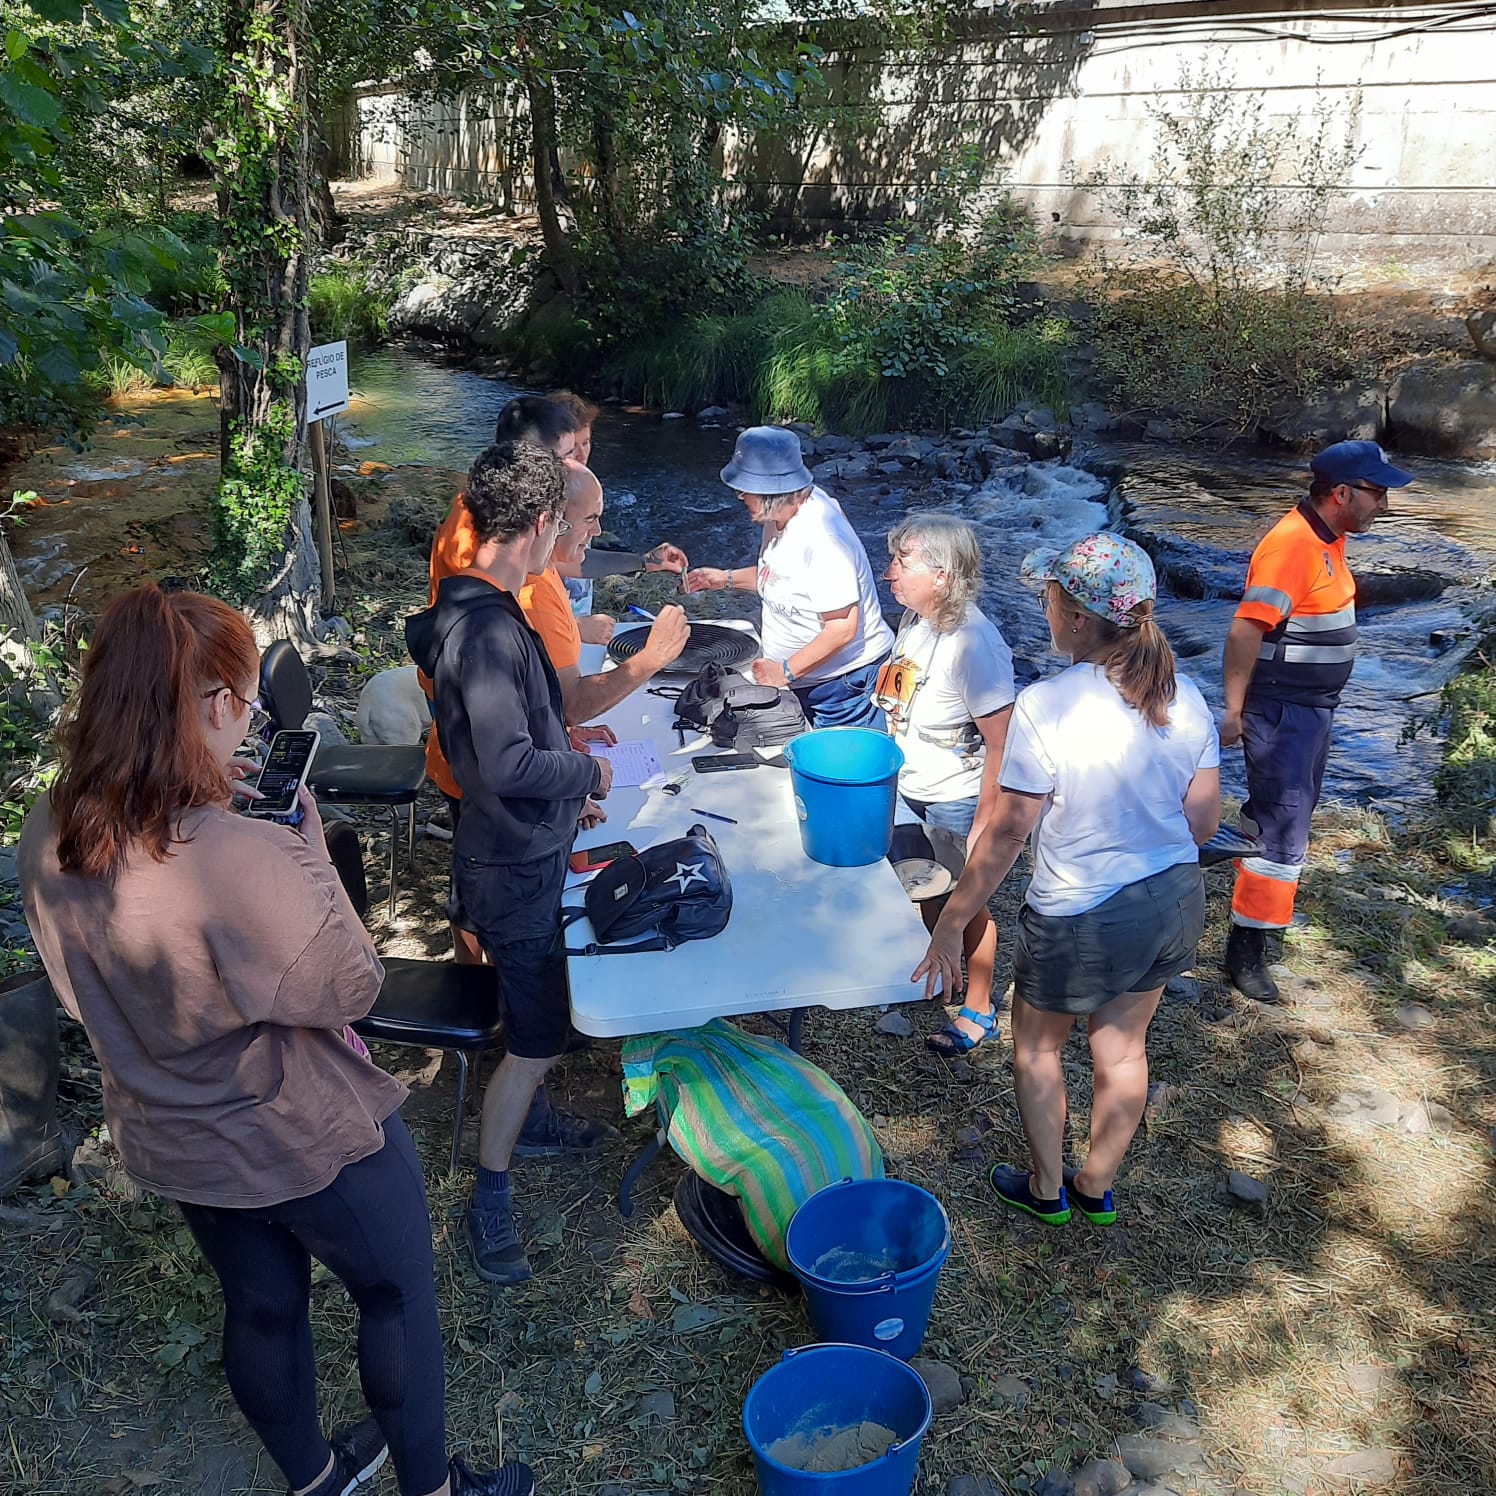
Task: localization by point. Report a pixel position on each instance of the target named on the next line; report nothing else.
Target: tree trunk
(605, 162)
(20, 677)
(263, 535)
(17, 621)
(542, 98)
(326, 219)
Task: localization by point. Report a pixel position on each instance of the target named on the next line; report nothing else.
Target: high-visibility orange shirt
(544, 599)
(1300, 589)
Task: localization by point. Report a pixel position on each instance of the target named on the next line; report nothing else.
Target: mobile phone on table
(287, 764)
(721, 763)
(589, 859)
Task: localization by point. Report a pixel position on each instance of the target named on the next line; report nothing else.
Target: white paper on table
(633, 763)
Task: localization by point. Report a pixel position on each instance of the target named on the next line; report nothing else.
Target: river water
(1200, 512)
(136, 503)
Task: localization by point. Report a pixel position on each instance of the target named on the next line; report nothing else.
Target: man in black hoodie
(498, 709)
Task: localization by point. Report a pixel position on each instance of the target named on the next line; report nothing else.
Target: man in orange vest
(1289, 652)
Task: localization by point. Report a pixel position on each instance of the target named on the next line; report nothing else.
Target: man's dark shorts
(515, 911)
(1132, 942)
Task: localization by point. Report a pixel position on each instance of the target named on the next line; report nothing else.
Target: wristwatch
(789, 674)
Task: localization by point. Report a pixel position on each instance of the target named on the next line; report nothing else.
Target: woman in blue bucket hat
(1113, 765)
(822, 630)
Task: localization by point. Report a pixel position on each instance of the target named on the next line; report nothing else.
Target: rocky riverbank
(471, 282)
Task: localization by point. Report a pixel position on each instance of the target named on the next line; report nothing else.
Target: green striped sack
(751, 1117)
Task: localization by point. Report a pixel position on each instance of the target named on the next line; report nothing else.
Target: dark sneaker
(513, 1479)
(498, 1252)
(553, 1133)
(1097, 1209)
(357, 1454)
(1012, 1187)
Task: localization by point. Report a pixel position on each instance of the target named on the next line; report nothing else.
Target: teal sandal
(950, 1041)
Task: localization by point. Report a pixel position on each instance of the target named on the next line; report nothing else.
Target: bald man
(547, 608)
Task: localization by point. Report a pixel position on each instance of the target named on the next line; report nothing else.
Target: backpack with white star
(656, 899)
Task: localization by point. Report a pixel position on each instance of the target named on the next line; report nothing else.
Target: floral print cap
(1106, 575)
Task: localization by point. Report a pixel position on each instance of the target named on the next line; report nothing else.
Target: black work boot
(1246, 964)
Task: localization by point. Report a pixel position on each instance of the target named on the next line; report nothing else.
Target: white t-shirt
(816, 565)
(1115, 812)
(932, 690)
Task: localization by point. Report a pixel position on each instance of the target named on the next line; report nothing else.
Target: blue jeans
(844, 700)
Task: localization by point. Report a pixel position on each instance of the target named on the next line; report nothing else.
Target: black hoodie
(499, 714)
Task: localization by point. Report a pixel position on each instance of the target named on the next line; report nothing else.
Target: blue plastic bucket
(844, 779)
(819, 1388)
(868, 1253)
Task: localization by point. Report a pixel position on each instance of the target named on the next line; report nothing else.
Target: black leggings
(371, 1227)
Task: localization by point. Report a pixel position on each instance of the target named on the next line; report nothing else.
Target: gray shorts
(1132, 942)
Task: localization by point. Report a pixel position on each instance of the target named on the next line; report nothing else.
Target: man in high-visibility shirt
(1289, 653)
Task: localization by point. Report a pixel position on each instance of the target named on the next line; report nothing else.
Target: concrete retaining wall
(1047, 100)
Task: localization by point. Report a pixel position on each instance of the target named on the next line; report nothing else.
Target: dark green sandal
(1012, 1188)
(1098, 1212)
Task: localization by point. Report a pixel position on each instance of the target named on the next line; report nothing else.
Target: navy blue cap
(1358, 462)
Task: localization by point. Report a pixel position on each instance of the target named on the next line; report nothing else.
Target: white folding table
(800, 935)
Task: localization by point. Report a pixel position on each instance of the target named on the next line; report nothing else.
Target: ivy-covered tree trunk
(265, 554)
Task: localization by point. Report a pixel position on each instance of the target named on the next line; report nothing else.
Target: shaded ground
(1350, 1312)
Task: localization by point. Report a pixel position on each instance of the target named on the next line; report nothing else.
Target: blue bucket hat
(1358, 462)
(1104, 573)
(767, 461)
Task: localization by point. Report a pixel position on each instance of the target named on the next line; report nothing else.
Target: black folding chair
(425, 1004)
(346, 773)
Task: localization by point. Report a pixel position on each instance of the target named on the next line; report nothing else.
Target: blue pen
(641, 613)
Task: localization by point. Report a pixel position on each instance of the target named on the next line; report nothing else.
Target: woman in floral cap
(1112, 765)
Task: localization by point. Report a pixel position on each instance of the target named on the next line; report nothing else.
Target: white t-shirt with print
(932, 690)
(817, 565)
(1115, 785)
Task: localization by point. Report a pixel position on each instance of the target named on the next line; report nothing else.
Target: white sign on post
(326, 380)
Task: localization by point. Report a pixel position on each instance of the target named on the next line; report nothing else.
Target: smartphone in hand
(589, 859)
(287, 764)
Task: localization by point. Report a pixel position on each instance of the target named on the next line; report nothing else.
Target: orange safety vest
(1299, 586)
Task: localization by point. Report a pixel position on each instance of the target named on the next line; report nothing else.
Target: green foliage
(1220, 323)
(255, 499)
(788, 359)
(73, 283)
(189, 354)
(341, 305)
(1218, 361)
(1466, 781)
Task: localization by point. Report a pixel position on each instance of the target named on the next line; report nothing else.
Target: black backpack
(674, 892)
(737, 713)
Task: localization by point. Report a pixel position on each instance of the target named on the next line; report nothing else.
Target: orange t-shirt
(547, 609)
(544, 599)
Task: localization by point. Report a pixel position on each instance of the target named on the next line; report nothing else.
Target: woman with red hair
(214, 960)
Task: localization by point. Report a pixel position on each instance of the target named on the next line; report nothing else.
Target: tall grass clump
(342, 304)
(189, 356)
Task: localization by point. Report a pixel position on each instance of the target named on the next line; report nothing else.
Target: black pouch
(737, 713)
(671, 893)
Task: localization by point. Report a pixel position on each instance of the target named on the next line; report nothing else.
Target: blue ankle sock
(492, 1192)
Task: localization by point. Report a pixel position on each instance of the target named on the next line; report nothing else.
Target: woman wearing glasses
(214, 960)
(947, 694)
(822, 630)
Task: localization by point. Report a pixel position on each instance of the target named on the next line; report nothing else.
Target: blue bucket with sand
(836, 1420)
(844, 780)
(868, 1253)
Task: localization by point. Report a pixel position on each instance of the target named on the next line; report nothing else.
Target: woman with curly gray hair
(947, 694)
